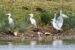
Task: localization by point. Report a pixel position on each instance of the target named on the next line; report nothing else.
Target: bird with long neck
(58, 22)
(60, 19)
(54, 19)
(10, 20)
(55, 24)
(11, 23)
(62, 14)
(33, 21)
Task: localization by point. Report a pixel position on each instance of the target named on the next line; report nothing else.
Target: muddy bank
(29, 36)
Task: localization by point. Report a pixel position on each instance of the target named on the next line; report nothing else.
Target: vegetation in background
(3, 21)
(43, 12)
(46, 17)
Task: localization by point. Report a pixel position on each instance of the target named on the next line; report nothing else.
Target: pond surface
(55, 45)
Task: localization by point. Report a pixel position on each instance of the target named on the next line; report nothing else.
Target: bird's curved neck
(61, 12)
(54, 17)
(9, 16)
(31, 16)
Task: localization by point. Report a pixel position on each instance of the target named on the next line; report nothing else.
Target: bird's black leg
(58, 31)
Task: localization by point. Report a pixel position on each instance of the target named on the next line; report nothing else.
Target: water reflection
(57, 43)
(33, 43)
(10, 45)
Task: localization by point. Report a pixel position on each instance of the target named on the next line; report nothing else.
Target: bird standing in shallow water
(33, 21)
(58, 22)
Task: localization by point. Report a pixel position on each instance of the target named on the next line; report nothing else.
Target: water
(35, 46)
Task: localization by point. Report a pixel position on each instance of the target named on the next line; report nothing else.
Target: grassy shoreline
(70, 34)
(41, 9)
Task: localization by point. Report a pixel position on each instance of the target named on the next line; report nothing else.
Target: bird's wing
(65, 16)
(59, 22)
(55, 25)
(33, 21)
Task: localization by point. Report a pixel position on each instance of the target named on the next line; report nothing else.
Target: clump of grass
(23, 25)
(46, 17)
(3, 21)
(43, 12)
(69, 23)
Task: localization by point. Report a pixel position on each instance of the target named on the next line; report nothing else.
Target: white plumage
(55, 23)
(63, 15)
(58, 22)
(10, 20)
(33, 21)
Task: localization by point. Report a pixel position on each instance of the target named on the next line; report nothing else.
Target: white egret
(11, 23)
(63, 15)
(60, 19)
(33, 21)
(55, 24)
(58, 22)
(10, 20)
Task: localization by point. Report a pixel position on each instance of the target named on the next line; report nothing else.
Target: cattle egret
(58, 22)
(33, 21)
(10, 20)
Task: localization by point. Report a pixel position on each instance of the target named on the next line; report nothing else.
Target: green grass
(21, 8)
(69, 41)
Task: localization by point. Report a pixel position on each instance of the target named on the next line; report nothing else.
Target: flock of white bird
(56, 22)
